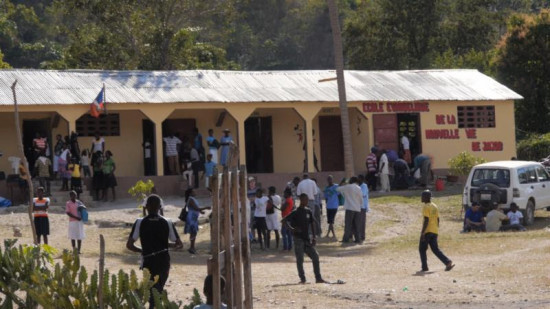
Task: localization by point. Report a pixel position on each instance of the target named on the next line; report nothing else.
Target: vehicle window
(496, 176)
(542, 174)
(527, 174)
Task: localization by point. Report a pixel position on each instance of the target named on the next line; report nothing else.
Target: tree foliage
(523, 63)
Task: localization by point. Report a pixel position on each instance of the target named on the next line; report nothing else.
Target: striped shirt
(172, 146)
(371, 163)
(40, 206)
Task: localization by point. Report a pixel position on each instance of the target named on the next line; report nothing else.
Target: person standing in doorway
(98, 143)
(57, 150)
(405, 143)
(301, 222)
(430, 230)
(148, 157)
(172, 145)
(225, 142)
(156, 235)
(40, 209)
(372, 168)
(353, 197)
(197, 143)
(384, 172)
(213, 145)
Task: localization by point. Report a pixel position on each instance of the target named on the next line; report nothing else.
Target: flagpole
(104, 99)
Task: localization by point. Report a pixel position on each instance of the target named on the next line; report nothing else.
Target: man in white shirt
(172, 144)
(384, 172)
(353, 202)
(309, 187)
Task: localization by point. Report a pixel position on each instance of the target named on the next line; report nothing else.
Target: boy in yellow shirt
(430, 229)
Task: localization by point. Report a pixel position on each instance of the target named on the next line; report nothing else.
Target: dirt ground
(493, 270)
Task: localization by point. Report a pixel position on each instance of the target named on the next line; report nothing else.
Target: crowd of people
(475, 220)
(70, 165)
(188, 156)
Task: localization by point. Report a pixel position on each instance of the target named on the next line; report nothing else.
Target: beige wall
(444, 149)
(288, 153)
(8, 140)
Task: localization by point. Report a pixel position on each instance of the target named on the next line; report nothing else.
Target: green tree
(392, 34)
(523, 63)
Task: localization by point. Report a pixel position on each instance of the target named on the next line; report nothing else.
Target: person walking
(430, 230)
(353, 197)
(332, 202)
(42, 167)
(301, 222)
(156, 235)
(192, 220)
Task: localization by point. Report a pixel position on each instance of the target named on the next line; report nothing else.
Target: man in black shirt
(154, 233)
(301, 222)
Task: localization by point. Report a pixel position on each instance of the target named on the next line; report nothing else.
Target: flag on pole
(99, 104)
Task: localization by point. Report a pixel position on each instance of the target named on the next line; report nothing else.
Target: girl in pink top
(76, 227)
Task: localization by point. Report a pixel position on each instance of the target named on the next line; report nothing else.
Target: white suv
(504, 182)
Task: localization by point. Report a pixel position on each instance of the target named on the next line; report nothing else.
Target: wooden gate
(229, 234)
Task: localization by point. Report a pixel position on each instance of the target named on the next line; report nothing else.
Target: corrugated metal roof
(81, 87)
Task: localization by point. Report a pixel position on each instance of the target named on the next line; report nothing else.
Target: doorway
(30, 128)
(410, 123)
(259, 144)
(149, 149)
(332, 144)
(183, 129)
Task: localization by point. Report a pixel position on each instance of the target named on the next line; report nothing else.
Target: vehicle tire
(496, 195)
(529, 213)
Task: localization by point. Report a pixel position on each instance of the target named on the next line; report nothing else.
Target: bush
(29, 279)
(461, 164)
(534, 148)
(141, 190)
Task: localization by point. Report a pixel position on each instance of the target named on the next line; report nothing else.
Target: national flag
(99, 104)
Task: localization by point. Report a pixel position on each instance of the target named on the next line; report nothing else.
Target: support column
(72, 114)
(157, 115)
(308, 113)
(241, 113)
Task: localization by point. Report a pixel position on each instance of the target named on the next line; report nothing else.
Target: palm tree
(339, 64)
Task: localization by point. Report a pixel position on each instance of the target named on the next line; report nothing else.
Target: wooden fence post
(24, 161)
(216, 240)
(237, 239)
(247, 267)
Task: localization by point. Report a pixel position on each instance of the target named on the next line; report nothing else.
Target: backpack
(83, 212)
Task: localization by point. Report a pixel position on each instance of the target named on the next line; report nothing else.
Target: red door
(385, 131)
(332, 145)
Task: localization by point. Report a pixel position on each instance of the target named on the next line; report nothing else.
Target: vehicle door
(527, 180)
(543, 190)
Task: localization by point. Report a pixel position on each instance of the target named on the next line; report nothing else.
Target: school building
(284, 122)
